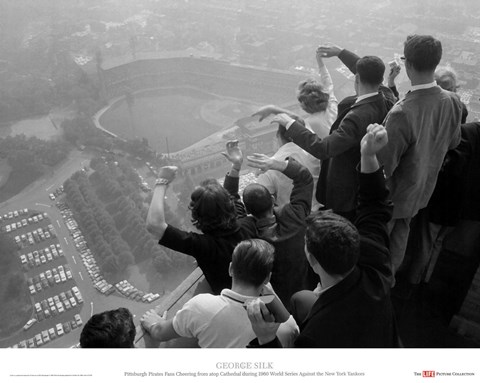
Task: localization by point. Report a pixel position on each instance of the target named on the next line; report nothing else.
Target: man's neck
(248, 291)
(366, 90)
(419, 78)
(329, 280)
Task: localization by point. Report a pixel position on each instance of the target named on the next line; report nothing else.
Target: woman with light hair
(316, 97)
(446, 78)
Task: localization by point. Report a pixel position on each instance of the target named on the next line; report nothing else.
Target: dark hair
(423, 52)
(110, 329)
(252, 261)
(333, 240)
(370, 69)
(312, 97)
(212, 207)
(257, 199)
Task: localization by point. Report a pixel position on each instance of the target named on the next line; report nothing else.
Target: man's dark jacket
(286, 231)
(340, 151)
(357, 312)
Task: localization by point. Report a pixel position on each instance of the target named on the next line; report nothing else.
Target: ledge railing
(193, 285)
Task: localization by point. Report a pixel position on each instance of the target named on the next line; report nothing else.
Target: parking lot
(55, 297)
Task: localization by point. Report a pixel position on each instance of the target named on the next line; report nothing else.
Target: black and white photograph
(291, 185)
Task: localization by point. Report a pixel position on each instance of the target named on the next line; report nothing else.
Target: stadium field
(183, 115)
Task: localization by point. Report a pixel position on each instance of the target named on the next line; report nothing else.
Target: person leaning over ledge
(221, 320)
(215, 213)
(351, 307)
(110, 329)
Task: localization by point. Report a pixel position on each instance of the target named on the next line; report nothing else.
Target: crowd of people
(353, 206)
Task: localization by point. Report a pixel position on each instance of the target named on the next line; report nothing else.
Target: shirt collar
(364, 96)
(423, 86)
(236, 297)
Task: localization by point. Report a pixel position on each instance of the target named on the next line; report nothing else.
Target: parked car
(60, 331)
(29, 324)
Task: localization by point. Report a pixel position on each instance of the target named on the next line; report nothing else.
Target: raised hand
(234, 153)
(329, 50)
(264, 163)
(266, 111)
(282, 119)
(168, 173)
(374, 140)
(394, 72)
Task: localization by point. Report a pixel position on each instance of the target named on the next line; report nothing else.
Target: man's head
(370, 71)
(110, 329)
(422, 53)
(312, 97)
(212, 207)
(252, 262)
(446, 78)
(332, 241)
(258, 200)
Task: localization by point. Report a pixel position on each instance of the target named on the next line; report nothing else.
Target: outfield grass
(172, 113)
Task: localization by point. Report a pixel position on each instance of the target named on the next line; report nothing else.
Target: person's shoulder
(206, 300)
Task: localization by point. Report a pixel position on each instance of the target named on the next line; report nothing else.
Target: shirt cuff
(289, 123)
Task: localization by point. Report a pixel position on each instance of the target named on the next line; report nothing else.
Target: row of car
(130, 291)
(88, 259)
(49, 278)
(56, 193)
(37, 235)
(58, 304)
(39, 257)
(24, 222)
(48, 335)
(13, 214)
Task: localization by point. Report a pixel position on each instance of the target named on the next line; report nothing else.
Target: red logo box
(428, 374)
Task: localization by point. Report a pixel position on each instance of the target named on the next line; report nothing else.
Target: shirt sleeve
(186, 320)
(183, 241)
(399, 139)
(342, 139)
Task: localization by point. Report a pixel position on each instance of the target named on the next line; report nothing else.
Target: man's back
(357, 312)
(216, 321)
(421, 129)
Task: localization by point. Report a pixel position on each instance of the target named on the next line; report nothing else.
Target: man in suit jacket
(353, 307)
(339, 152)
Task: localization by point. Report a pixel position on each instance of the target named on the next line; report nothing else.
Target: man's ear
(230, 273)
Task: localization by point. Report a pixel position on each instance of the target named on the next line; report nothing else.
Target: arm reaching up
(329, 50)
(267, 110)
(234, 154)
(156, 212)
(375, 139)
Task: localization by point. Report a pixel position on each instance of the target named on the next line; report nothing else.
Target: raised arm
(268, 110)
(325, 78)
(234, 154)
(301, 195)
(348, 58)
(339, 141)
(156, 223)
(374, 210)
